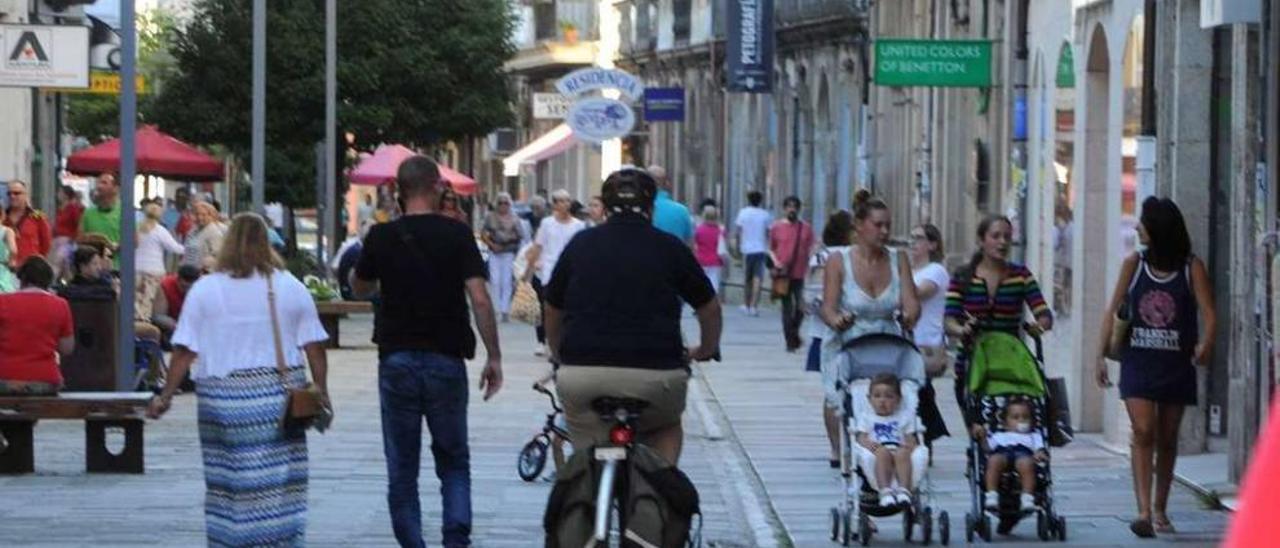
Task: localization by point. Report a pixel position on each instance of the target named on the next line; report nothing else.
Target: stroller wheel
(847, 536)
(1042, 526)
(944, 528)
(533, 457)
(926, 526)
(835, 524)
(969, 525)
(908, 523)
(864, 529)
(1062, 529)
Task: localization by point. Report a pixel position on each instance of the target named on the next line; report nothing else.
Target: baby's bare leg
(996, 465)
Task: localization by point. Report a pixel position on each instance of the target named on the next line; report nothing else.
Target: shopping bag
(1059, 419)
(525, 306)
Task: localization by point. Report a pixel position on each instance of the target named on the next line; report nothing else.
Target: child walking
(1019, 445)
(889, 438)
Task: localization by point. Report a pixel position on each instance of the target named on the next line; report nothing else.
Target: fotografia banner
(749, 54)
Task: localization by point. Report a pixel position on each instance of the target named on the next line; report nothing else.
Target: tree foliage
(414, 72)
(96, 117)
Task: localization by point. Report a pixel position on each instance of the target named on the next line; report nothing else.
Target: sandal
(1142, 528)
(1164, 526)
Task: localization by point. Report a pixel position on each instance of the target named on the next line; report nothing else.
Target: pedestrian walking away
(426, 267)
(709, 245)
(824, 348)
(932, 281)
(502, 234)
(250, 313)
(1163, 310)
(989, 294)
(669, 215)
(549, 241)
(613, 319)
(790, 242)
(752, 241)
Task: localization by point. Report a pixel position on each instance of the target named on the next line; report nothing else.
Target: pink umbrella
(382, 166)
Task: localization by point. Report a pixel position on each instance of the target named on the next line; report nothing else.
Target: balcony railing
(794, 12)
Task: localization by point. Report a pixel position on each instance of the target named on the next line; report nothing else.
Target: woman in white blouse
(153, 240)
(255, 471)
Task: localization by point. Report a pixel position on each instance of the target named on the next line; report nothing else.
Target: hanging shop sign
(1066, 78)
(583, 80)
(934, 63)
(37, 56)
(664, 105)
(749, 54)
(597, 119)
(550, 106)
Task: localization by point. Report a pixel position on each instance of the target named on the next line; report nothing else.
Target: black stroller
(1001, 368)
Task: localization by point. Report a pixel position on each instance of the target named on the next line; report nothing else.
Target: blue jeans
(414, 384)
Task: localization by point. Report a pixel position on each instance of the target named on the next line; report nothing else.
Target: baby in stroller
(887, 437)
(1020, 446)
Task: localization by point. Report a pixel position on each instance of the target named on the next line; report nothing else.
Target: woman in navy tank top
(1166, 291)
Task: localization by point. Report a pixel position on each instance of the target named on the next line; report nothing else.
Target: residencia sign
(938, 63)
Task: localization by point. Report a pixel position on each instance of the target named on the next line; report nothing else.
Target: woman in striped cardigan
(989, 294)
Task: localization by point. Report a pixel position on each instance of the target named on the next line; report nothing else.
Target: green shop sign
(1066, 68)
(938, 63)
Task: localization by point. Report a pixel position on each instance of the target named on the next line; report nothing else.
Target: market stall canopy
(549, 144)
(385, 162)
(157, 154)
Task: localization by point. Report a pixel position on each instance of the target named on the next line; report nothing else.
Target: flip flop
(1164, 526)
(1142, 528)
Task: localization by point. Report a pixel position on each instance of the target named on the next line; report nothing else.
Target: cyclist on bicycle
(613, 318)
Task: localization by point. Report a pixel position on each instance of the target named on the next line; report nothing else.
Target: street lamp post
(128, 172)
(259, 137)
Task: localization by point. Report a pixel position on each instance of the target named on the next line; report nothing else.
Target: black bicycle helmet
(629, 190)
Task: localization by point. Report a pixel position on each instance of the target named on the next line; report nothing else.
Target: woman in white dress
(153, 241)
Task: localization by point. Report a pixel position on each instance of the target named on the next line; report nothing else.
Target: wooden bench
(333, 311)
(98, 410)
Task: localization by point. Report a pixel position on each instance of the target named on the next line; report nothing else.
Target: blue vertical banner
(749, 55)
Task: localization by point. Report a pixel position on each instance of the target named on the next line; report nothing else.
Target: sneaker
(903, 496)
(887, 498)
(991, 500)
(755, 312)
(541, 351)
(746, 310)
(1028, 501)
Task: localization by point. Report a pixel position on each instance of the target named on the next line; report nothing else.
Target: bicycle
(533, 456)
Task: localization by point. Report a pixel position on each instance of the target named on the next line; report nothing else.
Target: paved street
(754, 448)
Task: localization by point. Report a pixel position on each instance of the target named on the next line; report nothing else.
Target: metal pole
(258, 166)
(128, 172)
(330, 126)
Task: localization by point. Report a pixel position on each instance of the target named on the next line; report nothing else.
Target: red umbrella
(157, 154)
(385, 161)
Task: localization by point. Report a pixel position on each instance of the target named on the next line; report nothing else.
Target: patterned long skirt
(255, 474)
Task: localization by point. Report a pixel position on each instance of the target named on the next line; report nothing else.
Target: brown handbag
(303, 407)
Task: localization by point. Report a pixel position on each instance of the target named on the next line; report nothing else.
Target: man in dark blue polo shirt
(613, 318)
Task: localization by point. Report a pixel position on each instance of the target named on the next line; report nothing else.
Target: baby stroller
(864, 358)
(1001, 368)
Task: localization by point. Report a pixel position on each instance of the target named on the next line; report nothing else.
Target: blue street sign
(749, 56)
(664, 105)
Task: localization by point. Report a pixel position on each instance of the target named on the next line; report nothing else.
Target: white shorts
(867, 462)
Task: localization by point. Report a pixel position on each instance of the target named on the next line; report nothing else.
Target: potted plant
(569, 31)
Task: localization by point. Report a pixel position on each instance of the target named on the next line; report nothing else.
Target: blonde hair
(710, 214)
(207, 208)
(247, 249)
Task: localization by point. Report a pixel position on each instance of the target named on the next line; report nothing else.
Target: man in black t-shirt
(613, 318)
(426, 266)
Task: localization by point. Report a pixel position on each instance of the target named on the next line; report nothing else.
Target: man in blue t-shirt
(669, 215)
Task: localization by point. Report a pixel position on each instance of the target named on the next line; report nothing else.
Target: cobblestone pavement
(754, 446)
(60, 505)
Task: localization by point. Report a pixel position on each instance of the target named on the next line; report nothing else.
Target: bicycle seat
(608, 405)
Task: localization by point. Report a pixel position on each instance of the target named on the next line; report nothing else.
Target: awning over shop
(549, 144)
